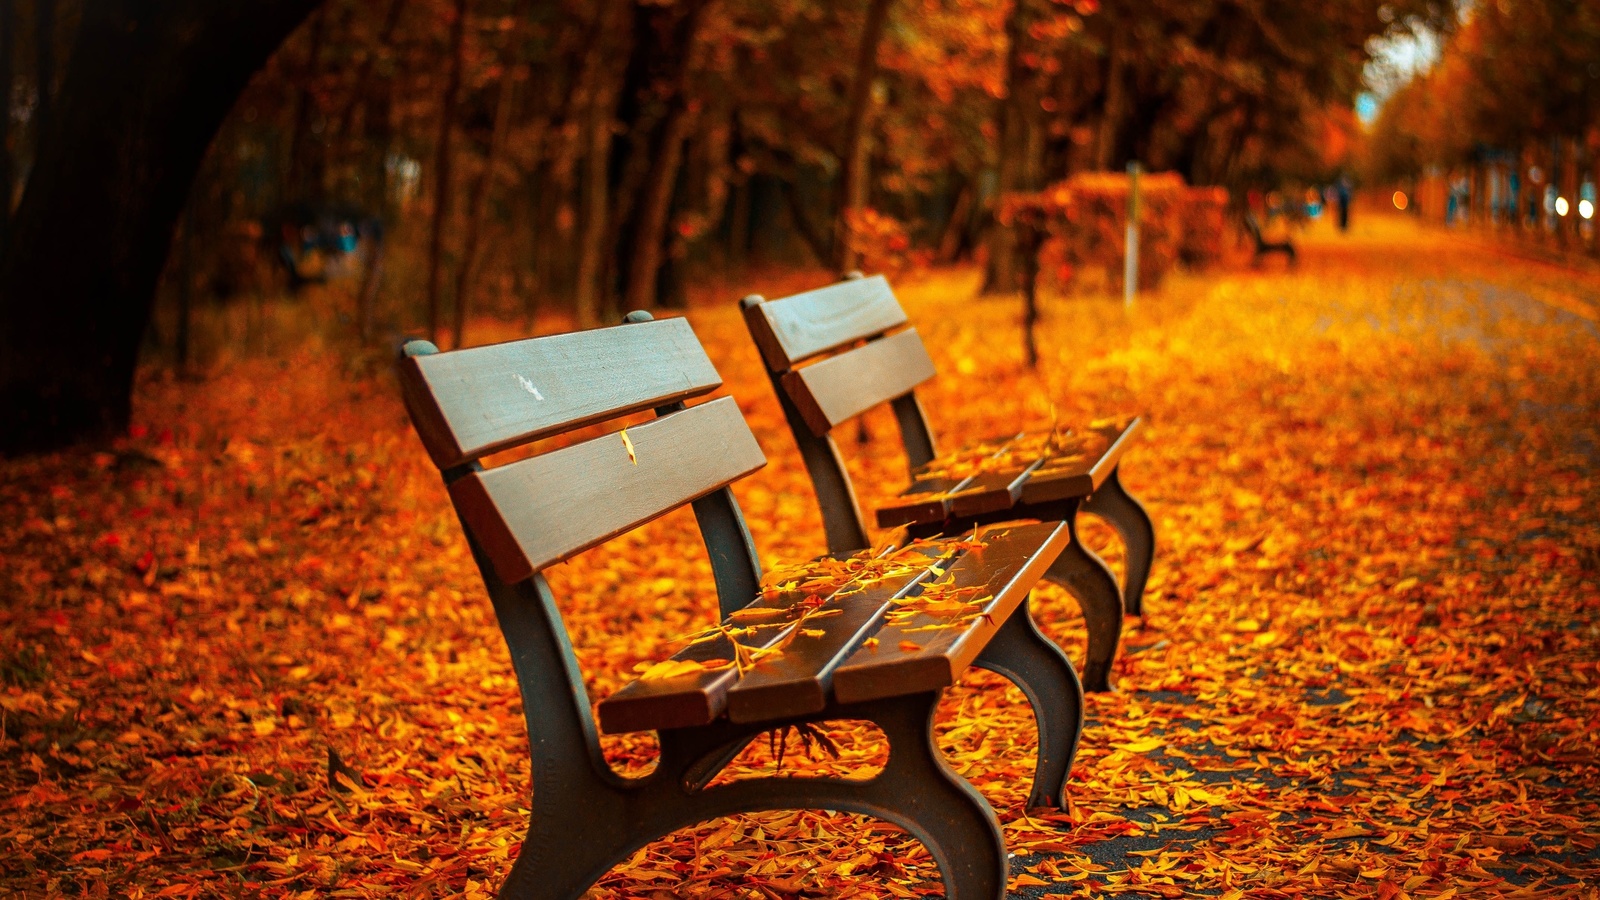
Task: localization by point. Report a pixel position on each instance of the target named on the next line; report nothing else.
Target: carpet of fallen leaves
(244, 653)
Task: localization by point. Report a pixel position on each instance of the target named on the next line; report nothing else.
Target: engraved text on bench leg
(1037, 666)
(1127, 515)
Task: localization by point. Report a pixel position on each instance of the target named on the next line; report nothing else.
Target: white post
(1130, 267)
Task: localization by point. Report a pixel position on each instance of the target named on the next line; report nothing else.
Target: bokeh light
(1400, 200)
(1561, 206)
(1586, 209)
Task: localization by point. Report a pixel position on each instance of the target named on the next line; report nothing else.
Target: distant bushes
(1083, 223)
(880, 242)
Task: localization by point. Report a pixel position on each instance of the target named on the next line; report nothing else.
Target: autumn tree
(143, 93)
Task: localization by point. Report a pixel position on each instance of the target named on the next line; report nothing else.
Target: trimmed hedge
(1084, 222)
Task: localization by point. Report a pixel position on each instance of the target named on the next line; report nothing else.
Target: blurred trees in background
(1510, 112)
(582, 156)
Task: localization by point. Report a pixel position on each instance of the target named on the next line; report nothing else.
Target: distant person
(1341, 196)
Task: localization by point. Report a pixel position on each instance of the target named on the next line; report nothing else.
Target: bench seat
(999, 475)
(906, 622)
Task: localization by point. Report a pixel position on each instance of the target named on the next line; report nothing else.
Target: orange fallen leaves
(1371, 664)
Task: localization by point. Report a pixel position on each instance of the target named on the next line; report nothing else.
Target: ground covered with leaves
(245, 652)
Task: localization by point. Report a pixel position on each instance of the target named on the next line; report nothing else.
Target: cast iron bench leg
(1127, 515)
(1036, 665)
(917, 790)
(1078, 570)
(570, 846)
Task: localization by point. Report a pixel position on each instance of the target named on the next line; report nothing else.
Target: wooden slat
(1059, 480)
(537, 511)
(837, 389)
(469, 403)
(927, 499)
(793, 329)
(991, 491)
(906, 660)
(924, 505)
(700, 697)
(797, 681)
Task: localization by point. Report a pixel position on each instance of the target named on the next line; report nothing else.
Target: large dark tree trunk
(8, 28)
(44, 21)
(146, 88)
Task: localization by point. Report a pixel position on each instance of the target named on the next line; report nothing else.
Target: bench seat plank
(697, 698)
(1080, 476)
(1040, 479)
(924, 652)
(796, 682)
(800, 677)
(991, 491)
(927, 498)
(537, 511)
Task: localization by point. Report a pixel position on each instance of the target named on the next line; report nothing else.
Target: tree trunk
(650, 224)
(595, 202)
(185, 271)
(852, 148)
(441, 164)
(1016, 110)
(1028, 246)
(955, 228)
(652, 110)
(1105, 157)
(299, 182)
(145, 90)
(479, 203)
(814, 239)
(8, 30)
(45, 24)
(363, 78)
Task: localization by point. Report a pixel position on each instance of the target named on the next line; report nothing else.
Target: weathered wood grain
(842, 387)
(1061, 479)
(797, 681)
(794, 329)
(700, 697)
(537, 511)
(907, 658)
(927, 498)
(469, 403)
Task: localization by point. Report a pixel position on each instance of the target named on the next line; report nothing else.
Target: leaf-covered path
(246, 654)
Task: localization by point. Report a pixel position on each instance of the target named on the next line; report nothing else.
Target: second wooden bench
(834, 353)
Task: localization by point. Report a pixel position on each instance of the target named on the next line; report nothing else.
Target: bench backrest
(537, 511)
(525, 515)
(852, 324)
(832, 354)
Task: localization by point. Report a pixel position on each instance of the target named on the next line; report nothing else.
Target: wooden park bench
(836, 352)
(1252, 226)
(861, 637)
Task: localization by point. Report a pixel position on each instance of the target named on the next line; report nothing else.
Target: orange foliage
(1086, 219)
(245, 652)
